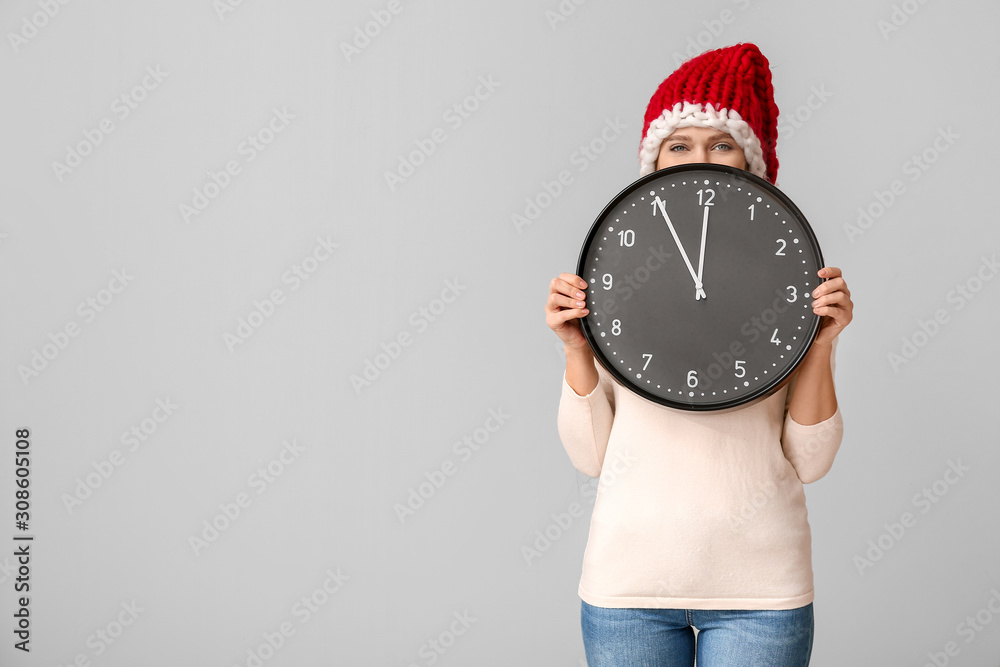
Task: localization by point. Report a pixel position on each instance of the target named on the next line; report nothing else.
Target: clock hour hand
(701, 259)
(699, 291)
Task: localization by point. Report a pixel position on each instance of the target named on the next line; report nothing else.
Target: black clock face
(700, 281)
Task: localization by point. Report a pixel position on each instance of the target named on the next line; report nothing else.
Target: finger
(837, 299)
(557, 319)
(569, 285)
(837, 284)
(559, 301)
(829, 272)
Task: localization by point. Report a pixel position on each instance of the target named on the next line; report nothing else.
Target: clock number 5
(740, 371)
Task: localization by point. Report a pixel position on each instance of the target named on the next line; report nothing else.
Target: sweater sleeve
(584, 423)
(811, 448)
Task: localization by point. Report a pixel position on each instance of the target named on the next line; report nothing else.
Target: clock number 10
(627, 237)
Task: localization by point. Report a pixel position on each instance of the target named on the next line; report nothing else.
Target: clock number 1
(750, 208)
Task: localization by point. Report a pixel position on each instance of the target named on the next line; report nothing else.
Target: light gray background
(885, 96)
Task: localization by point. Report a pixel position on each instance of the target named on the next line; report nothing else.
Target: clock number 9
(627, 237)
(607, 281)
(616, 327)
(708, 193)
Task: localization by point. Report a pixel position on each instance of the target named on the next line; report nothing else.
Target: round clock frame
(687, 301)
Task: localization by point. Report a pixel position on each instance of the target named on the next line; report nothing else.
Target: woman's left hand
(832, 300)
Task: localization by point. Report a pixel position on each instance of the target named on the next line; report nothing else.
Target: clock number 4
(774, 338)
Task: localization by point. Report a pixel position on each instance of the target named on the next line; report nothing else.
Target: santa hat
(728, 89)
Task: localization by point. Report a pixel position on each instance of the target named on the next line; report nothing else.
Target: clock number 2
(781, 250)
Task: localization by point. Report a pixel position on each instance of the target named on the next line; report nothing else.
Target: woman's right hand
(565, 305)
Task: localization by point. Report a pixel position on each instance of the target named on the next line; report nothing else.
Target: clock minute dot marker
(807, 295)
(788, 347)
(794, 240)
(759, 199)
(690, 393)
(746, 383)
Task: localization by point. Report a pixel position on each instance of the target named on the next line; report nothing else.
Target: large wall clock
(699, 287)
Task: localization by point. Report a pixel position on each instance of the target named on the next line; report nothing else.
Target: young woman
(700, 519)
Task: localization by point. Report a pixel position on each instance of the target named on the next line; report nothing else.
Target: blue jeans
(631, 637)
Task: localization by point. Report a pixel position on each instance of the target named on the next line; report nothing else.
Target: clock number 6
(692, 378)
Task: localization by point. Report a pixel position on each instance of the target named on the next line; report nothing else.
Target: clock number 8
(616, 327)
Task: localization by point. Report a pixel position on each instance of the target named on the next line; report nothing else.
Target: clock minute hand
(699, 292)
(701, 259)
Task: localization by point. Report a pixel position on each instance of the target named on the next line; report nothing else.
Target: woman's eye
(677, 148)
(724, 147)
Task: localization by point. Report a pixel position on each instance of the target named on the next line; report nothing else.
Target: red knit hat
(728, 89)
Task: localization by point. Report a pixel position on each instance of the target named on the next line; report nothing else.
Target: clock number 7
(648, 358)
